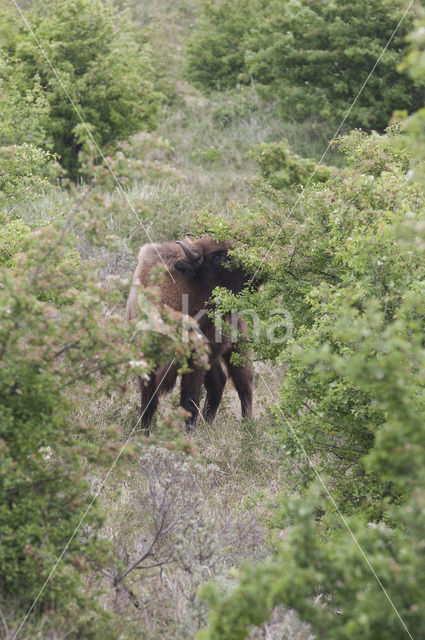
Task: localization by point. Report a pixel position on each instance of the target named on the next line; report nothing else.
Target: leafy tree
(100, 63)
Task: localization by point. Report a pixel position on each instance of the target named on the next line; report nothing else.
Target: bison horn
(193, 256)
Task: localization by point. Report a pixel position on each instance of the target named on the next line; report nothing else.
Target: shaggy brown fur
(196, 276)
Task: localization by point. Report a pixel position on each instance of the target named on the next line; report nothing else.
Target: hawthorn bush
(320, 572)
(55, 341)
(46, 350)
(27, 173)
(338, 250)
(348, 265)
(284, 169)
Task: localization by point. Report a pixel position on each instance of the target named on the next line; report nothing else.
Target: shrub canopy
(99, 62)
(312, 56)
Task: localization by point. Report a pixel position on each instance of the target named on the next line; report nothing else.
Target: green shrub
(100, 63)
(313, 56)
(55, 341)
(216, 48)
(349, 268)
(53, 345)
(12, 235)
(414, 64)
(328, 582)
(24, 111)
(44, 491)
(317, 55)
(282, 168)
(336, 260)
(26, 173)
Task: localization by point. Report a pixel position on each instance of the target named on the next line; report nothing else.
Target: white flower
(136, 363)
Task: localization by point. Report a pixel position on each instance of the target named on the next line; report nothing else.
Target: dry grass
(167, 516)
(220, 498)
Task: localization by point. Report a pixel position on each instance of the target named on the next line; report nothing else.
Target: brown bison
(195, 268)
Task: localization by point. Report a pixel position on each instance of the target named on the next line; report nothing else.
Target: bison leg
(149, 401)
(242, 378)
(160, 381)
(190, 395)
(215, 381)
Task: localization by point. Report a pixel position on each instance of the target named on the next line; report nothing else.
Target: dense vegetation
(312, 56)
(99, 64)
(308, 520)
(351, 410)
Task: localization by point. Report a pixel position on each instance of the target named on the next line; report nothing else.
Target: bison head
(208, 262)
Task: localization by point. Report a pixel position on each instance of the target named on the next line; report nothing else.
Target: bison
(195, 268)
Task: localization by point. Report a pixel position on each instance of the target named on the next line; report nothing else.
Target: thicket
(348, 264)
(283, 169)
(102, 64)
(216, 48)
(61, 331)
(55, 340)
(46, 349)
(312, 56)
